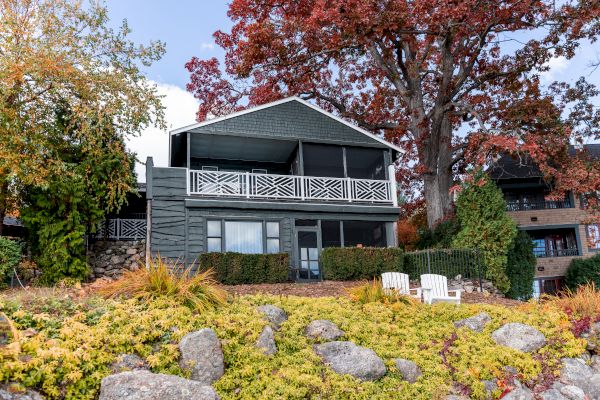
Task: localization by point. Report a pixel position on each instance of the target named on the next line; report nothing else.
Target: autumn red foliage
(407, 235)
(454, 83)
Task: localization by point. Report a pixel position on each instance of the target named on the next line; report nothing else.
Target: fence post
(479, 270)
(428, 262)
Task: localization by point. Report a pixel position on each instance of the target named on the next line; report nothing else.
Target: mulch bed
(338, 288)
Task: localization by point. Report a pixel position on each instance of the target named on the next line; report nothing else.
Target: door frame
(296, 252)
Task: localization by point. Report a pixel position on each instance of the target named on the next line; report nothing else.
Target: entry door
(308, 246)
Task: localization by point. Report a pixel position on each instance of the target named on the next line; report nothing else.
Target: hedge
(236, 268)
(582, 271)
(520, 267)
(351, 263)
(10, 255)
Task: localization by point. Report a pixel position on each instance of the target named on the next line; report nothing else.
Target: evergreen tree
(521, 267)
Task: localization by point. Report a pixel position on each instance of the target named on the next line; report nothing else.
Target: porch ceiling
(240, 148)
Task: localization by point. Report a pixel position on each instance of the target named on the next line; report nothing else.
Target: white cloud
(557, 66)
(207, 46)
(180, 110)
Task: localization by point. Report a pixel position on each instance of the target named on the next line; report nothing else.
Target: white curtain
(244, 237)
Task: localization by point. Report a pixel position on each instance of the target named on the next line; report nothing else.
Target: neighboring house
(559, 228)
(282, 177)
(12, 227)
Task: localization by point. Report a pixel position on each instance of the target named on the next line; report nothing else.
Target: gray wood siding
(168, 212)
(292, 120)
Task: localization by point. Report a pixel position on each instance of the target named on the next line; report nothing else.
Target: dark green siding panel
(292, 120)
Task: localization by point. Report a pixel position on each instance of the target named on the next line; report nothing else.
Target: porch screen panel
(364, 233)
(323, 160)
(244, 237)
(363, 163)
(330, 234)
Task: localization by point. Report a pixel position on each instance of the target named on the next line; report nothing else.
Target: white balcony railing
(290, 187)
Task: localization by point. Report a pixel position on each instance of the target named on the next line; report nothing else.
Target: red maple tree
(454, 83)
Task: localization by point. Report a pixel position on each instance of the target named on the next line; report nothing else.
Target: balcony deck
(290, 187)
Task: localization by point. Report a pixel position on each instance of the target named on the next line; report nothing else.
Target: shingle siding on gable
(291, 120)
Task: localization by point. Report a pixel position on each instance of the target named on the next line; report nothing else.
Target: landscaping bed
(69, 342)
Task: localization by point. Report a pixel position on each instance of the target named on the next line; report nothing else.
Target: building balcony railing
(545, 253)
(290, 187)
(123, 228)
(538, 205)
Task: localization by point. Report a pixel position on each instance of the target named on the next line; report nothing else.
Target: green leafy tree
(520, 267)
(481, 211)
(60, 213)
(10, 255)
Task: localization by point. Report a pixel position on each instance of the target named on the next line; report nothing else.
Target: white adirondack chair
(400, 283)
(435, 288)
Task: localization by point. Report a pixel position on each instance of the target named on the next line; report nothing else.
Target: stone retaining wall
(110, 258)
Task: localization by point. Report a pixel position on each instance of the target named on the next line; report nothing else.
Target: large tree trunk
(438, 178)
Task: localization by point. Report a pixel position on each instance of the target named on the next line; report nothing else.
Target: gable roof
(291, 117)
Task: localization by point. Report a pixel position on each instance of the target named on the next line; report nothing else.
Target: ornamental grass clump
(373, 291)
(196, 290)
(584, 302)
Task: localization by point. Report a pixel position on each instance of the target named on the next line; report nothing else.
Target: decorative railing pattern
(288, 187)
(538, 205)
(122, 229)
(545, 253)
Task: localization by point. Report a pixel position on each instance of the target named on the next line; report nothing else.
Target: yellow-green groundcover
(74, 344)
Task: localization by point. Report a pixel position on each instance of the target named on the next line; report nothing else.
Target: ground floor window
(551, 286)
(246, 237)
(353, 234)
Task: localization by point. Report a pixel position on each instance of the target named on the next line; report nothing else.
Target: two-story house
(282, 177)
(560, 229)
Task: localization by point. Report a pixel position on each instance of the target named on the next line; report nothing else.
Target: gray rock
(131, 251)
(519, 337)
(275, 315)
(489, 386)
(409, 370)
(552, 394)
(569, 391)
(475, 323)
(323, 329)
(128, 362)
(456, 397)
(348, 358)
(595, 364)
(520, 393)
(201, 353)
(144, 385)
(7, 394)
(577, 373)
(266, 341)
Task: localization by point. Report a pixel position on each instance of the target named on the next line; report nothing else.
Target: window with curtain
(593, 232)
(244, 237)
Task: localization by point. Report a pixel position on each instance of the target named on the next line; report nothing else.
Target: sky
(186, 26)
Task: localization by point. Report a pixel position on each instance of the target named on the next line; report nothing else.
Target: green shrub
(520, 267)
(351, 263)
(10, 255)
(237, 268)
(481, 210)
(582, 271)
(441, 236)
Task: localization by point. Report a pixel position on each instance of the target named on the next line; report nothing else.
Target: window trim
(588, 237)
(222, 220)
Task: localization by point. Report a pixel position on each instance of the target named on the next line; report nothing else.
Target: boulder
(8, 393)
(275, 315)
(520, 393)
(348, 358)
(489, 387)
(475, 323)
(577, 373)
(201, 353)
(570, 392)
(409, 370)
(323, 329)
(595, 364)
(144, 385)
(266, 341)
(455, 397)
(519, 337)
(128, 362)
(552, 394)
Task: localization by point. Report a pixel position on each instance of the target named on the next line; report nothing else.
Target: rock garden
(264, 346)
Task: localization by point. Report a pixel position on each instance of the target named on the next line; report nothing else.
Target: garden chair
(435, 288)
(400, 283)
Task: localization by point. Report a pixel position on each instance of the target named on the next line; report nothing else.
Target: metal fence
(538, 205)
(467, 263)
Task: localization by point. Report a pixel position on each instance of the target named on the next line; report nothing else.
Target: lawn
(68, 344)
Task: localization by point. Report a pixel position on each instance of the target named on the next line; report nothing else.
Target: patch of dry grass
(196, 290)
(373, 291)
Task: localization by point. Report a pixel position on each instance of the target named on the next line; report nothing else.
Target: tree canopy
(419, 72)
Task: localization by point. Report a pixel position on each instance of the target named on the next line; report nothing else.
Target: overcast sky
(186, 26)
